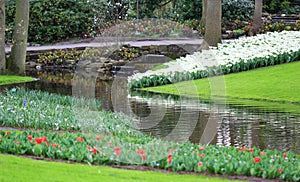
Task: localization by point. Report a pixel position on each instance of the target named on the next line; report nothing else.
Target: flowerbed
(102, 149)
(41, 110)
(71, 57)
(233, 56)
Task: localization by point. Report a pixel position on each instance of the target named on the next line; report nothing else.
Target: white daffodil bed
(229, 57)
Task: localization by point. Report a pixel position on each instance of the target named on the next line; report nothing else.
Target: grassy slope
(277, 83)
(22, 169)
(7, 79)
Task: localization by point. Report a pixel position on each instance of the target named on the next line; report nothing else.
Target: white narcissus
(231, 52)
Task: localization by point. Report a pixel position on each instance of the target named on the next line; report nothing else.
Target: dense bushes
(237, 9)
(279, 6)
(56, 20)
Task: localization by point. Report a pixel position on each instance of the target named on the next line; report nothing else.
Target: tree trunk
(257, 21)
(213, 29)
(16, 62)
(2, 37)
(204, 6)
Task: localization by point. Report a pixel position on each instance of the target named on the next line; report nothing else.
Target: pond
(180, 119)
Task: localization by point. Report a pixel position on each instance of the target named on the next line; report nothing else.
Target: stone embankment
(152, 51)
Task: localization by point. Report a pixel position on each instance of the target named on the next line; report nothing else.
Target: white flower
(232, 51)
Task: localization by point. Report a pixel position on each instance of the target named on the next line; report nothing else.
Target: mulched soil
(147, 168)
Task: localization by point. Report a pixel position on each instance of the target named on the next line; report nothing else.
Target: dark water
(180, 119)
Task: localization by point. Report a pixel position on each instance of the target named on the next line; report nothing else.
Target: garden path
(94, 43)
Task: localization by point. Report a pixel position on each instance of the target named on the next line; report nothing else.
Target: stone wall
(151, 55)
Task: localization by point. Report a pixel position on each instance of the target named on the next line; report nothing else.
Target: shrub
(56, 20)
(237, 9)
(278, 7)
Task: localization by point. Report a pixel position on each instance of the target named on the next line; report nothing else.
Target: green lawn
(277, 83)
(23, 169)
(10, 79)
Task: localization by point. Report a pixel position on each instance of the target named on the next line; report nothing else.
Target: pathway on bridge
(101, 44)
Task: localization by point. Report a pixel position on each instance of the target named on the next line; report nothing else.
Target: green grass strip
(23, 169)
(277, 83)
(11, 79)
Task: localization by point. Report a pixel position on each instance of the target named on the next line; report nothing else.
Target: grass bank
(11, 79)
(23, 169)
(277, 83)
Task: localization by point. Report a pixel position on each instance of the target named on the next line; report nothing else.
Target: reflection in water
(179, 119)
(238, 126)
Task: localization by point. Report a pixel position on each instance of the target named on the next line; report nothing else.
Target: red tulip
(263, 153)
(79, 139)
(94, 150)
(169, 158)
(48, 144)
(143, 156)
(280, 170)
(201, 149)
(201, 155)
(54, 145)
(200, 163)
(89, 149)
(17, 143)
(29, 138)
(256, 159)
(117, 151)
(140, 151)
(8, 133)
(172, 150)
(284, 155)
(44, 139)
(98, 138)
(251, 150)
(38, 141)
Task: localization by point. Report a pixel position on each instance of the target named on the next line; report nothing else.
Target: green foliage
(237, 9)
(181, 10)
(56, 20)
(278, 6)
(148, 28)
(196, 25)
(125, 53)
(185, 10)
(41, 110)
(72, 57)
(60, 57)
(281, 26)
(100, 149)
(35, 109)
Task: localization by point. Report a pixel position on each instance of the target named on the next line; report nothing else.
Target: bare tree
(204, 6)
(2, 37)
(257, 21)
(213, 29)
(16, 62)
